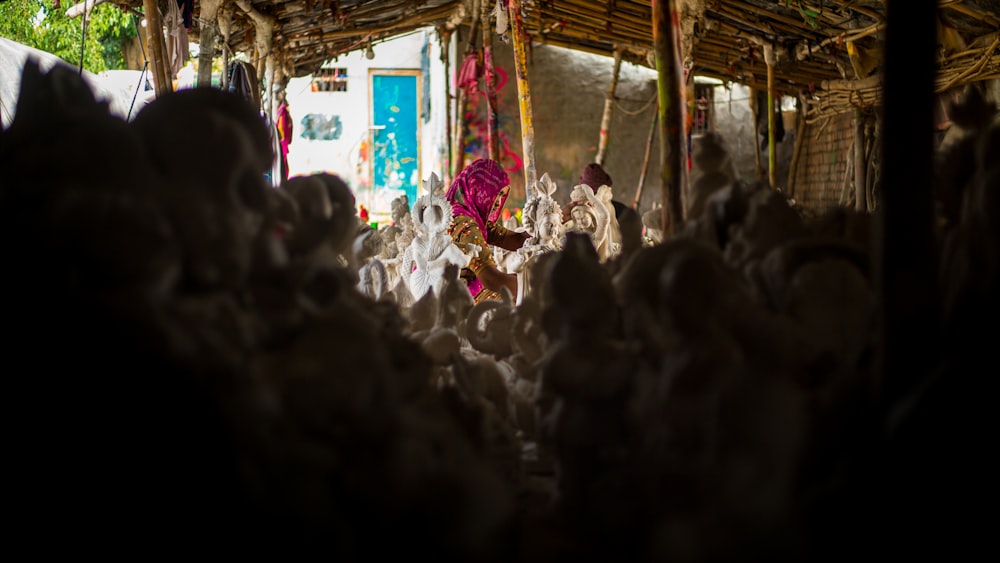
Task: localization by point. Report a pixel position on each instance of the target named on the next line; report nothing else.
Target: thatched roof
(816, 40)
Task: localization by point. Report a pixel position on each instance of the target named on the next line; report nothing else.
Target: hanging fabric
(469, 73)
(243, 82)
(779, 123)
(178, 50)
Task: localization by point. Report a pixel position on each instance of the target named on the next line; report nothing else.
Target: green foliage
(809, 15)
(38, 24)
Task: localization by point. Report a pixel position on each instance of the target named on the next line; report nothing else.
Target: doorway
(395, 136)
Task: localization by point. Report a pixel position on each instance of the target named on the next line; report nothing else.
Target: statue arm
(451, 255)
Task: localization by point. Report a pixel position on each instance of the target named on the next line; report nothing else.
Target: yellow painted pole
(523, 98)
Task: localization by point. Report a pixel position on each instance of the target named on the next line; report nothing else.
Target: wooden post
(444, 37)
(493, 146)
(800, 131)
(458, 159)
(860, 164)
(225, 19)
(523, 98)
(154, 36)
(609, 100)
(262, 38)
(772, 158)
(906, 268)
(645, 159)
(206, 41)
(671, 108)
(458, 146)
(76, 10)
(756, 135)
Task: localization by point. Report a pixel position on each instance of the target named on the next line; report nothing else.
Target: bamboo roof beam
(804, 50)
(562, 42)
(338, 31)
(850, 5)
(793, 25)
(737, 18)
(523, 98)
(637, 27)
(620, 41)
(971, 12)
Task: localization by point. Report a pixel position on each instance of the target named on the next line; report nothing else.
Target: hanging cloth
(178, 53)
(469, 73)
(243, 82)
(188, 10)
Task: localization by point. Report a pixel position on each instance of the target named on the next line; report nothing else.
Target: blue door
(395, 127)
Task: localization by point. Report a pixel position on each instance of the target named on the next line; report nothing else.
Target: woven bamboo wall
(820, 174)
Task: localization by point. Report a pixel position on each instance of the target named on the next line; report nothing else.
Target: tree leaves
(809, 15)
(38, 24)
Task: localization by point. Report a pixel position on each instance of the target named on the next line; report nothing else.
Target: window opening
(330, 80)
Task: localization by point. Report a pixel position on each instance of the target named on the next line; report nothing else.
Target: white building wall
(343, 156)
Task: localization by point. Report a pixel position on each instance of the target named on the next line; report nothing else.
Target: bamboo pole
(850, 5)
(225, 21)
(805, 50)
(609, 100)
(492, 144)
(587, 18)
(845, 185)
(307, 31)
(800, 132)
(167, 71)
(860, 164)
(445, 39)
(755, 110)
(972, 13)
(671, 105)
(871, 159)
(645, 159)
(793, 25)
(523, 98)
(206, 40)
(458, 160)
(154, 37)
(975, 68)
(263, 40)
(772, 158)
(766, 28)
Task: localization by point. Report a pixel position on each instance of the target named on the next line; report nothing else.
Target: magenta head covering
(475, 191)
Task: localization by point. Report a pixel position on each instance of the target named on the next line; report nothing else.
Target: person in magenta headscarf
(477, 196)
(285, 128)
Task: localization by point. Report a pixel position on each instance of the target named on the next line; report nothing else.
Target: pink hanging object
(468, 75)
